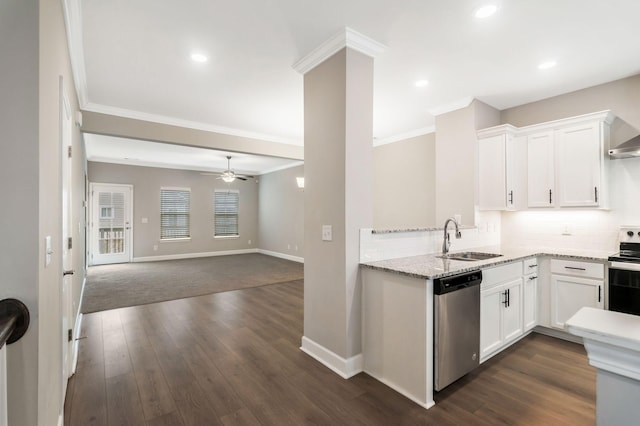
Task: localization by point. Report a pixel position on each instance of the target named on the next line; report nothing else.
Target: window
(225, 211)
(174, 213)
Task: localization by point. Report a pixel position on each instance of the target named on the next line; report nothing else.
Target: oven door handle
(626, 266)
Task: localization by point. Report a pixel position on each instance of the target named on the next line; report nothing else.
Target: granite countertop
(429, 266)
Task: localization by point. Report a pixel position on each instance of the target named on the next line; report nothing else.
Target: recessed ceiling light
(422, 83)
(485, 11)
(198, 57)
(546, 65)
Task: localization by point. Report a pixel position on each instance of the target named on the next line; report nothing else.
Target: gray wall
(456, 160)
(338, 123)
(33, 43)
(104, 124)
(622, 97)
(20, 214)
(281, 212)
(404, 183)
(147, 182)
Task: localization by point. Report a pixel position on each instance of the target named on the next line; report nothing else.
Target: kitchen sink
(469, 256)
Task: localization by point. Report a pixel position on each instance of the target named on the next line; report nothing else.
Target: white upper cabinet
(501, 169)
(579, 156)
(540, 169)
(560, 163)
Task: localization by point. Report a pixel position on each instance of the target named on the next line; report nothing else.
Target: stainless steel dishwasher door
(457, 335)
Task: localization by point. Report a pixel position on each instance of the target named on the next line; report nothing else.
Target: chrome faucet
(446, 243)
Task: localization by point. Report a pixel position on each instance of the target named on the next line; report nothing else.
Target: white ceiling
(136, 57)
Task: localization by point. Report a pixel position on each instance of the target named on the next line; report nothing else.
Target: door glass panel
(111, 223)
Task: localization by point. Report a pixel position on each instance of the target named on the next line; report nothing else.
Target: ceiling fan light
(228, 177)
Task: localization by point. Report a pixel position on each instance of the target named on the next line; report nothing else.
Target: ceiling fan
(229, 175)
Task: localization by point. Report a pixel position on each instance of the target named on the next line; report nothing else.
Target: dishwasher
(456, 327)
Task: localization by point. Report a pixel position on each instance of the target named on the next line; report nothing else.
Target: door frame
(129, 212)
(67, 317)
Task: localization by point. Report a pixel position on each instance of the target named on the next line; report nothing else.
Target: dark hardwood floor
(233, 358)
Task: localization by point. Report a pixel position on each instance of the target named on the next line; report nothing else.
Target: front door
(111, 214)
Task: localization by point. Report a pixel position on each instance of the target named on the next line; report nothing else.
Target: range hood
(628, 149)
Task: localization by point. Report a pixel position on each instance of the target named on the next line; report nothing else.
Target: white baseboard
(345, 368)
(282, 255)
(558, 334)
(60, 420)
(403, 392)
(76, 344)
(193, 255)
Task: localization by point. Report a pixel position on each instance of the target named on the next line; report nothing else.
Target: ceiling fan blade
(241, 177)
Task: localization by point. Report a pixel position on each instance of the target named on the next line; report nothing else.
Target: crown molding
(404, 136)
(171, 121)
(345, 38)
(453, 106)
(277, 169)
(73, 22)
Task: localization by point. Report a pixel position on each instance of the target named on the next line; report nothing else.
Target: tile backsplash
(391, 245)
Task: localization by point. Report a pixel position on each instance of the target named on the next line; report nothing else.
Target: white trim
(175, 188)
(61, 418)
(604, 116)
(282, 255)
(558, 334)
(277, 169)
(453, 106)
(195, 125)
(404, 393)
(345, 38)
(404, 136)
(73, 22)
(497, 130)
(76, 344)
(345, 368)
(192, 255)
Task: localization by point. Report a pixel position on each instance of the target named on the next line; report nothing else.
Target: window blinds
(174, 213)
(225, 208)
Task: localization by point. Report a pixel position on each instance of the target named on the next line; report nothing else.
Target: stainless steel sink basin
(470, 256)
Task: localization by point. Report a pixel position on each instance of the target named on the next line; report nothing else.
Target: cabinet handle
(574, 268)
(505, 301)
(533, 278)
(533, 266)
(511, 197)
(599, 293)
(549, 196)
(596, 192)
(508, 297)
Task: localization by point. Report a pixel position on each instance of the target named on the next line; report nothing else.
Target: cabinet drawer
(577, 268)
(530, 266)
(498, 275)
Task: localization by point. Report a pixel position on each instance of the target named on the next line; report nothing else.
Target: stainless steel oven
(624, 274)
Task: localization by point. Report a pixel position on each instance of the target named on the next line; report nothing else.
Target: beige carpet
(130, 284)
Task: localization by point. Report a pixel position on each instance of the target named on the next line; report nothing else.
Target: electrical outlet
(249, 242)
(155, 247)
(288, 246)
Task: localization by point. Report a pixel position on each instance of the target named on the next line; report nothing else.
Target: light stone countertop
(610, 327)
(429, 266)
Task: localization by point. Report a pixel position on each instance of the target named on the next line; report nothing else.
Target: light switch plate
(327, 233)
(48, 250)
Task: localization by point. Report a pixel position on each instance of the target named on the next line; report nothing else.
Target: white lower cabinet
(500, 308)
(574, 285)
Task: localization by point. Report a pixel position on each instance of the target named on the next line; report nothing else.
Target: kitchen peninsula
(398, 305)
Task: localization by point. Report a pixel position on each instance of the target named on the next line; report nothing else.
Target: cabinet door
(530, 302)
(512, 313)
(490, 320)
(516, 179)
(540, 169)
(569, 294)
(491, 173)
(578, 167)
